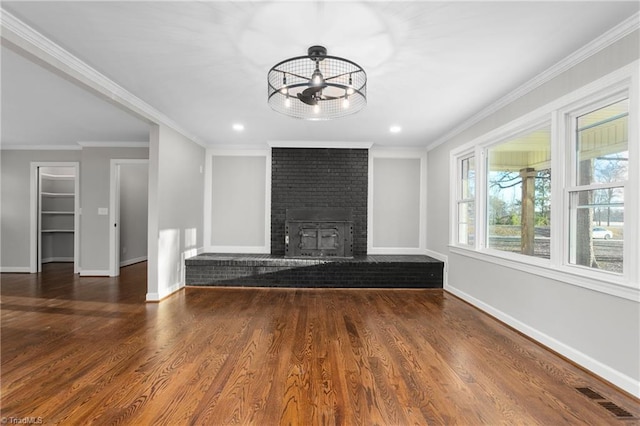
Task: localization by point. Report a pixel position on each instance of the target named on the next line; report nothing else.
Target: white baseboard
(15, 269)
(399, 251)
(606, 372)
(157, 297)
(238, 249)
(57, 259)
(132, 261)
(94, 273)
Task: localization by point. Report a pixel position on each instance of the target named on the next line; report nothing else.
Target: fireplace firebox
(319, 232)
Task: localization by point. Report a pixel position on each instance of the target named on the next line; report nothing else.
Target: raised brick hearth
(275, 271)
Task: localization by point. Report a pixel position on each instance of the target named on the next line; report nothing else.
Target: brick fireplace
(318, 202)
(319, 179)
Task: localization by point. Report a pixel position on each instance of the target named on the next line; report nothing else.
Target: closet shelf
(58, 212)
(49, 231)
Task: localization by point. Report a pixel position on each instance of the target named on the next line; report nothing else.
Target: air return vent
(602, 401)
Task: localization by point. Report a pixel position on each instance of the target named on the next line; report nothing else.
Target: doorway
(54, 214)
(129, 213)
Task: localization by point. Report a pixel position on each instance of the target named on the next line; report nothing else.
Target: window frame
(525, 128)
(570, 115)
(460, 200)
(623, 83)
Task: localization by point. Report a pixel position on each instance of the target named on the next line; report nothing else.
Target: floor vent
(602, 401)
(617, 411)
(590, 393)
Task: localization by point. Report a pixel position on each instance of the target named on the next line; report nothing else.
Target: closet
(57, 214)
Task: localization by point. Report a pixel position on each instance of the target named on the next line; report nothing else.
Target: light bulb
(345, 103)
(316, 109)
(284, 90)
(316, 77)
(287, 102)
(350, 91)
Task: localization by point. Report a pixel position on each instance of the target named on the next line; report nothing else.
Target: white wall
(94, 193)
(134, 190)
(239, 201)
(397, 202)
(597, 330)
(95, 172)
(176, 194)
(15, 193)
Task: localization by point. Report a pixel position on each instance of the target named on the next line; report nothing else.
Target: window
(596, 198)
(519, 194)
(466, 202)
(554, 192)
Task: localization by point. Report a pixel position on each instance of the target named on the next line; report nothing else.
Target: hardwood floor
(89, 350)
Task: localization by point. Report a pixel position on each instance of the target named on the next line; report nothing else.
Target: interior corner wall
(176, 208)
(95, 175)
(15, 203)
(597, 330)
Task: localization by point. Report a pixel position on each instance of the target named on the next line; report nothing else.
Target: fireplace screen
(318, 233)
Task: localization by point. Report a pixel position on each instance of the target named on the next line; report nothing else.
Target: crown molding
(14, 147)
(605, 40)
(114, 144)
(320, 144)
(28, 40)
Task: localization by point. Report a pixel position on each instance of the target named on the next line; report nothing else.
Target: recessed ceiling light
(238, 127)
(395, 129)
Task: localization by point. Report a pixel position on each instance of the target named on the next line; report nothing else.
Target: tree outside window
(519, 194)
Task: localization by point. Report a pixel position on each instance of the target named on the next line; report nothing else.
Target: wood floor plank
(89, 350)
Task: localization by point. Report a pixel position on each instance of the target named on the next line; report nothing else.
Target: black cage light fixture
(317, 86)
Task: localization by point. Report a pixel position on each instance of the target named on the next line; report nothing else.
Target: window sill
(602, 282)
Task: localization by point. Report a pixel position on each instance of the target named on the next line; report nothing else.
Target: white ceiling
(430, 65)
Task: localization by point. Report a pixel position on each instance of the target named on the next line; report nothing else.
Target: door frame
(114, 211)
(35, 208)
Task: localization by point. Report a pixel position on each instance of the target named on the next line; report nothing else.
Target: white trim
(616, 33)
(258, 152)
(15, 269)
(525, 264)
(40, 147)
(267, 202)
(114, 144)
(57, 259)
(114, 213)
(320, 144)
(616, 377)
(264, 152)
(34, 213)
(94, 273)
(239, 147)
(410, 154)
(133, 261)
(62, 61)
(157, 297)
(207, 227)
(624, 79)
(238, 249)
(397, 251)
